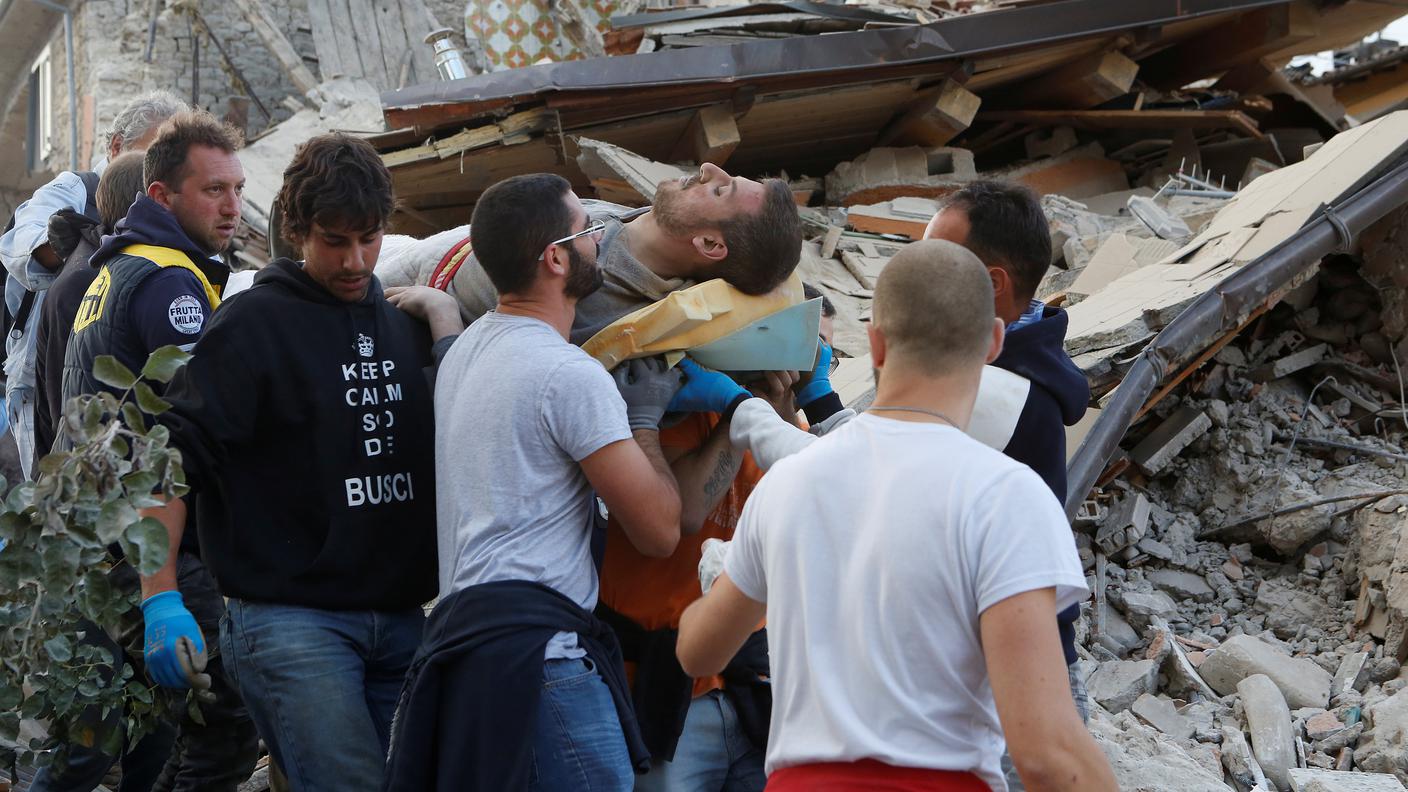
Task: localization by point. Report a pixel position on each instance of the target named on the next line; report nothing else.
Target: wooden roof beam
(1083, 83)
(1251, 36)
(935, 118)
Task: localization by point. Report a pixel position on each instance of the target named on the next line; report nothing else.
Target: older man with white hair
(32, 265)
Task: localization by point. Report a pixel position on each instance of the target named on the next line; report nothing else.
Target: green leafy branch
(59, 578)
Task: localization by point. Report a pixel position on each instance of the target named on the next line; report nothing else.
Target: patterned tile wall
(522, 32)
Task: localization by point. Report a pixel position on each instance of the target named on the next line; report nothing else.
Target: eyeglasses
(595, 230)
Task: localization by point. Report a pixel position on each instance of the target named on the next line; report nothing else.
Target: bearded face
(583, 275)
(672, 210)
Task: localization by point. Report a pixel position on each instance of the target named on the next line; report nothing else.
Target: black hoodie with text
(306, 429)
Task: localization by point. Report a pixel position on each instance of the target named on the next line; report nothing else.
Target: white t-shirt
(876, 548)
(516, 409)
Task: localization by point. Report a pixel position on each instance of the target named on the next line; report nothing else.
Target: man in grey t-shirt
(710, 225)
(529, 427)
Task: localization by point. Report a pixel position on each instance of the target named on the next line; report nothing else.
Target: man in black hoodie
(158, 281)
(305, 424)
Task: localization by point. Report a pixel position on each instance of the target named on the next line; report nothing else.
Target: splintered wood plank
(368, 43)
(392, 33)
(325, 40)
(349, 50)
(418, 22)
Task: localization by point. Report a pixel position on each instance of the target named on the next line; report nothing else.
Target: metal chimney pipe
(448, 59)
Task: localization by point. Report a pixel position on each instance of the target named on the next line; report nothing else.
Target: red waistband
(871, 776)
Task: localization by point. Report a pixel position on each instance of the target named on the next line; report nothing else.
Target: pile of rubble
(1249, 620)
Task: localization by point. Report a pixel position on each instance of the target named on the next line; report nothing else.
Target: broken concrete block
(1269, 724)
(1290, 364)
(1353, 674)
(1162, 715)
(1181, 585)
(1050, 142)
(1125, 524)
(1384, 748)
(1143, 610)
(1288, 609)
(882, 174)
(1158, 219)
(623, 176)
(1145, 760)
(1237, 757)
(1302, 683)
(1116, 685)
(1311, 780)
(1118, 636)
(1183, 676)
(1165, 443)
(1322, 726)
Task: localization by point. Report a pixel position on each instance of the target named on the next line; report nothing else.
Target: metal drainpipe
(72, 83)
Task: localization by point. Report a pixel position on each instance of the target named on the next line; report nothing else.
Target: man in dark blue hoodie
(1032, 391)
(1003, 224)
(158, 284)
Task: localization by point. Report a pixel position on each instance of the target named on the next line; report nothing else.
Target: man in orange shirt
(707, 734)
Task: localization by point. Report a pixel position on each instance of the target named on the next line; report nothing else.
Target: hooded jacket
(1027, 398)
(1057, 395)
(155, 287)
(56, 314)
(306, 430)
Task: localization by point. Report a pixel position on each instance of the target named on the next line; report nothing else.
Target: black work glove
(66, 231)
(647, 385)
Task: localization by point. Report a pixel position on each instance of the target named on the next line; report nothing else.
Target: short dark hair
(119, 187)
(513, 222)
(811, 293)
(166, 157)
(763, 246)
(1008, 229)
(337, 181)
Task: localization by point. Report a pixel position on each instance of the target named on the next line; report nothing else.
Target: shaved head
(934, 306)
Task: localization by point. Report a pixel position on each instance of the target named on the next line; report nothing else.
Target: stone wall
(112, 39)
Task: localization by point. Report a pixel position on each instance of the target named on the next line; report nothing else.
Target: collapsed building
(1229, 241)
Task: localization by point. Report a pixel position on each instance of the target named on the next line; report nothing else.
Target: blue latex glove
(820, 383)
(168, 620)
(705, 390)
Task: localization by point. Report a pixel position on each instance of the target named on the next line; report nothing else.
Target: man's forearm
(649, 442)
(445, 323)
(172, 516)
(704, 476)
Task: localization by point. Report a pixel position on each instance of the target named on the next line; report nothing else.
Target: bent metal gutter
(1223, 309)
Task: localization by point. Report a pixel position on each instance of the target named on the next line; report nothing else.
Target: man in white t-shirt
(910, 575)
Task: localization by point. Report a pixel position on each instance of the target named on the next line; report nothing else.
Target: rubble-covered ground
(1249, 622)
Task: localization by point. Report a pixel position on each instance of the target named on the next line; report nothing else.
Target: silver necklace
(920, 410)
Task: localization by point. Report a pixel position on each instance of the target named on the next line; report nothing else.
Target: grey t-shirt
(627, 284)
(516, 408)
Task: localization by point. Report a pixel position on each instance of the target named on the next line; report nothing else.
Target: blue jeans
(321, 686)
(713, 754)
(578, 744)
